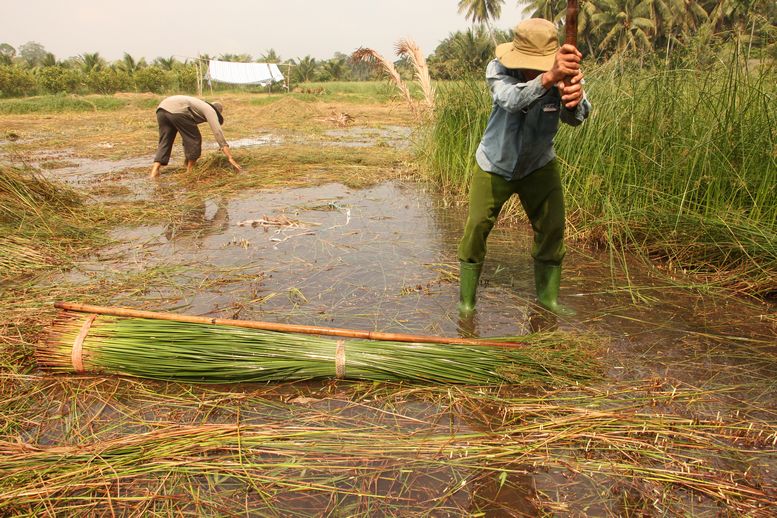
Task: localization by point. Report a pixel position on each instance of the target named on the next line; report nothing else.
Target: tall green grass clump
(676, 164)
(448, 146)
(42, 224)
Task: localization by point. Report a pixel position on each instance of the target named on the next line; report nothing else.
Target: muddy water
(108, 179)
(384, 258)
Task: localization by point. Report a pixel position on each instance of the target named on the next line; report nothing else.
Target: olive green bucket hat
(534, 46)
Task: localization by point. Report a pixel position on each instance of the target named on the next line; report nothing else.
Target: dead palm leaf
(370, 56)
(408, 48)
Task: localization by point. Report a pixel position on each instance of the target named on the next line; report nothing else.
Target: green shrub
(16, 81)
(184, 79)
(152, 79)
(56, 80)
(108, 81)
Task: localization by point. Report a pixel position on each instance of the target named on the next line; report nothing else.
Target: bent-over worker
(516, 155)
(181, 114)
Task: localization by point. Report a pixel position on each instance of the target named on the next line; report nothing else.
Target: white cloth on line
(244, 73)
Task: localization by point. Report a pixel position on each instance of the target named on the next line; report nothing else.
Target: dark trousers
(542, 198)
(170, 124)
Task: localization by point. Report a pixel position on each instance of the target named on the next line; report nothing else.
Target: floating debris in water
(280, 221)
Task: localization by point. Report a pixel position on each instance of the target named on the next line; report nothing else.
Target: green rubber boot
(547, 279)
(469, 275)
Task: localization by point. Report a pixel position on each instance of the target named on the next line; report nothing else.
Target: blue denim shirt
(524, 120)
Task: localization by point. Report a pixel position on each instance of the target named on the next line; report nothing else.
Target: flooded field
(687, 402)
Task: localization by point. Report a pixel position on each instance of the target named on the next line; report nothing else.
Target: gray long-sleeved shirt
(524, 120)
(199, 110)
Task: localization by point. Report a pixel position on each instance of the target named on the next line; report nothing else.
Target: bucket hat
(534, 46)
(218, 107)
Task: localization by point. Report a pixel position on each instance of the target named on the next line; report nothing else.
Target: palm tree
(463, 53)
(555, 11)
(335, 68)
(625, 24)
(482, 11)
(270, 57)
(552, 10)
(689, 15)
(585, 26)
(165, 63)
(129, 65)
(237, 58)
(738, 14)
(91, 62)
(660, 13)
(306, 69)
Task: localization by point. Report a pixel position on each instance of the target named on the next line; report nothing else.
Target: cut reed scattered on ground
(678, 165)
(43, 225)
(379, 449)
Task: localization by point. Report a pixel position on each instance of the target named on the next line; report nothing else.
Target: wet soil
(384, 258)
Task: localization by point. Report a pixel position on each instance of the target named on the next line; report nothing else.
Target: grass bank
(61, 103)
(677, 165)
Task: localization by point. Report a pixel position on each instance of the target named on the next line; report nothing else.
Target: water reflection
(203, 218)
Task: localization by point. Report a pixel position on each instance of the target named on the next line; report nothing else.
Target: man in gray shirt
(516, 156)
(181, 114)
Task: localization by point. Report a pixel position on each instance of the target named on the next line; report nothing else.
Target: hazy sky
(294, 28)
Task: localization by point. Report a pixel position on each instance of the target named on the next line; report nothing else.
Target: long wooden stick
(571, 30)
(283, 328)
(571, 23)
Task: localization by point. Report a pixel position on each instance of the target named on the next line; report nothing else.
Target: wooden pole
(571, 23)
(571, 30)
(288, 77)
(282, 328)
(199, 77)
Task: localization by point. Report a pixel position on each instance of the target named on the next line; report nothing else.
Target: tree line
(683, 31)
(625, 29)
(31, 70)
(608, 27)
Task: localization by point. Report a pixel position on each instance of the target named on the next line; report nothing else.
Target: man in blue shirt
(516, 156)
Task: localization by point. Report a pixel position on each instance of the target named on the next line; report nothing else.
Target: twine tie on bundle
(76, 355)
(340, 359)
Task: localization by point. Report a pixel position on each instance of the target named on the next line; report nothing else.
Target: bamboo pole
(282, 328)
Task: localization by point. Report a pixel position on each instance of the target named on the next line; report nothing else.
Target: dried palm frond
(370, 56)
(409, 49)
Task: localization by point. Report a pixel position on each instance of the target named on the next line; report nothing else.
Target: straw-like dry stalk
(192, 352)
(409, 49)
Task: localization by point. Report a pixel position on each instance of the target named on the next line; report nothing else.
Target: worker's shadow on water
(204, 218)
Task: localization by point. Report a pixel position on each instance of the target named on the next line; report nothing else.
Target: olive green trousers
(542, 198)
